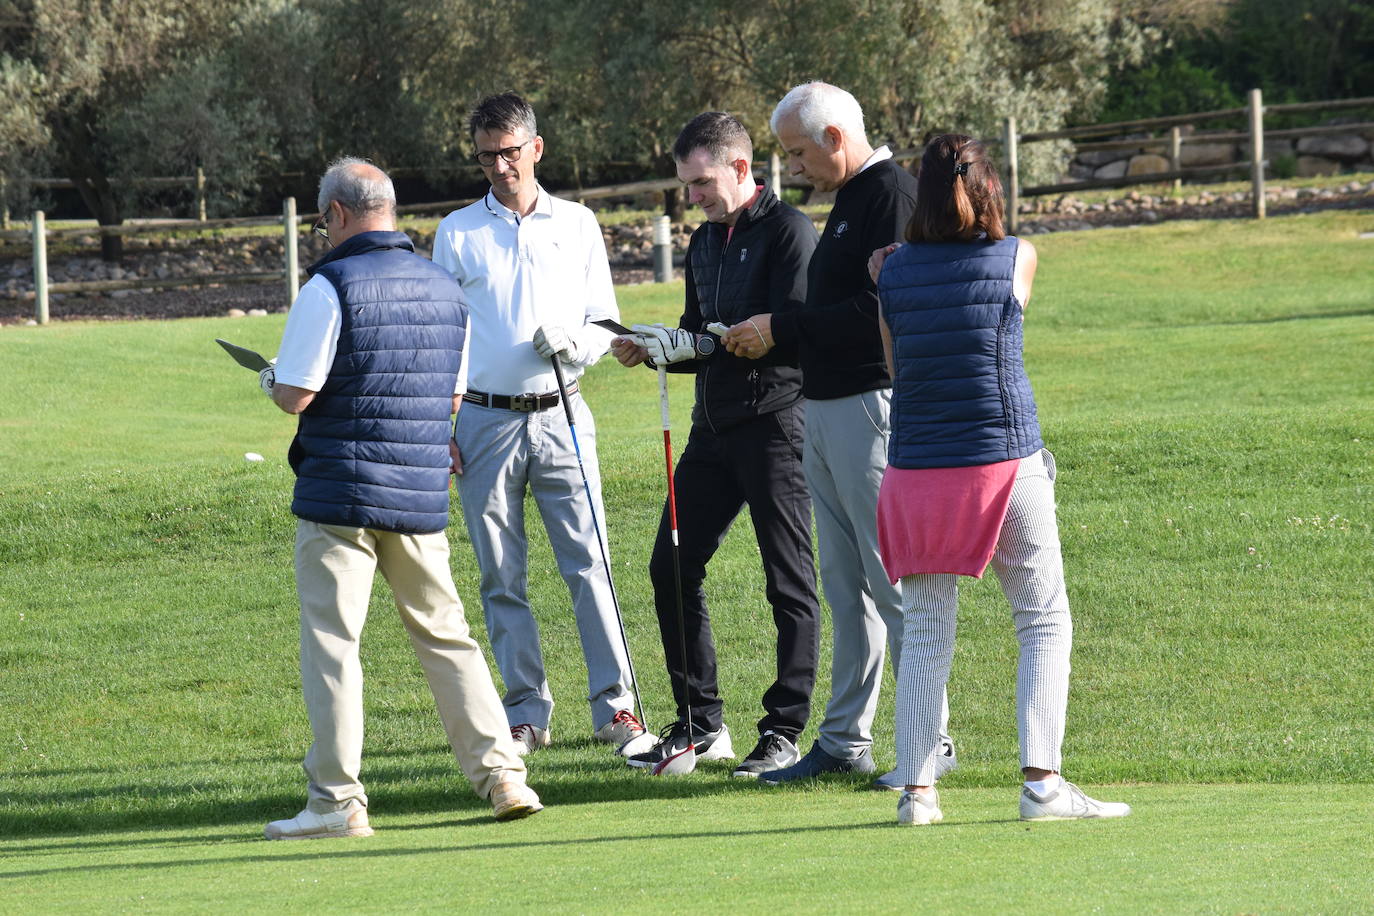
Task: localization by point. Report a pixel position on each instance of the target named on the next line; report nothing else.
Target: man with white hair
(848, 393)
(370, 361)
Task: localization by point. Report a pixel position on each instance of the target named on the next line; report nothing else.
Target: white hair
(818, 106)
(355, 184)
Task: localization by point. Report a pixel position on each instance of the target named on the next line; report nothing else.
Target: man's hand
(268, 377)
(629, 351)
(876, 259)
(667, 345)
(456, 458)
(551, 339)
(752, 338)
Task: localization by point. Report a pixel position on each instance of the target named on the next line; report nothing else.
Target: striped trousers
(1030, 568)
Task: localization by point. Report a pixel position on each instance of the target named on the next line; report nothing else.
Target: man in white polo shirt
(535, 273)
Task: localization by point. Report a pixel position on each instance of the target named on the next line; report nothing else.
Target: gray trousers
(505, 453)
(1030, 568)
(844, 459)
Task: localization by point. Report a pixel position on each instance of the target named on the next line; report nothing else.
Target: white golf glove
(551, 339)
(667, 345)
(268, 377)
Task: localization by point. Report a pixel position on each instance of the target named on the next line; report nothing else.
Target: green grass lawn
(1206, 390)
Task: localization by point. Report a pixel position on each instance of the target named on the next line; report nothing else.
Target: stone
(236, 313)
(1195, 155)
(1100, 157)
(1311, 166)
(258, 313)
(1147, 164)
(1113, 169)
(1341, 147)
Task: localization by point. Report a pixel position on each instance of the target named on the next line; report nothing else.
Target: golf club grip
(563, 397)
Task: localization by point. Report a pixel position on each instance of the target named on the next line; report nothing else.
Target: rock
(1273, 149)
(1341, 147)
(1201, 154)
(1147, 164)
(1113, 169)
(257, 313)
(1311, 166)
(236, 313)
(1097, 158)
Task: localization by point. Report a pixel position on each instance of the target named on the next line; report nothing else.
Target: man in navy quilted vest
(370, 360)
(534, 269)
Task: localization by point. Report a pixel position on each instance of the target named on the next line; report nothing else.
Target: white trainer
(1067, 803)
(528, 738)
(350, 821)
(915, 809)
(511, 800)
(626, 733)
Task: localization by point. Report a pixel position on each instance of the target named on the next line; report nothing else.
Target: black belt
(524, 403)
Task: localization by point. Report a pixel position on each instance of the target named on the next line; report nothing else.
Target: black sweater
(836, 331)
(762, 268)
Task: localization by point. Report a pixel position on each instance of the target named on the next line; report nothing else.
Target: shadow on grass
(344, 849)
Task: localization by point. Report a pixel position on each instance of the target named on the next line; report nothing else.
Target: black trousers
(759, 464)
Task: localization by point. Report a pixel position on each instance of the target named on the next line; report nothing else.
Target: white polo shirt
(547, 268)
(311, 338)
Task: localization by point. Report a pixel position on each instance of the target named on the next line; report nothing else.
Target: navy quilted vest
(961, 396)
(371, 450)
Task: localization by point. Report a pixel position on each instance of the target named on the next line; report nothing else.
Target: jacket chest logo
(841, 228)
(743, 254)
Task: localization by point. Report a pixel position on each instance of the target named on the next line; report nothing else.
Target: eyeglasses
(321, 227)
(487, 158)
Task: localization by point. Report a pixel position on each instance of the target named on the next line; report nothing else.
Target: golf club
(685, 761)
(600, 541)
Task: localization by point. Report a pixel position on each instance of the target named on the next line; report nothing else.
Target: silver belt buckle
(525, 403)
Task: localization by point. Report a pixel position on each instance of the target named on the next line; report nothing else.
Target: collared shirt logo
(743, 253)
(841, 228)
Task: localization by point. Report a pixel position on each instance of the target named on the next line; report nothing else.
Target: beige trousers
(334, 571)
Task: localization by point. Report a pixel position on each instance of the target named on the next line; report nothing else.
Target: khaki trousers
(334, 571)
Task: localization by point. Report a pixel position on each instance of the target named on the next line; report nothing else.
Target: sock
(1046, 786)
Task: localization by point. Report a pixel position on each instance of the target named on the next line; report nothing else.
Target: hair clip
(961, 168)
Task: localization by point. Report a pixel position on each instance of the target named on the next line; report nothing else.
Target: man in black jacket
(745, 446)
(848, 392)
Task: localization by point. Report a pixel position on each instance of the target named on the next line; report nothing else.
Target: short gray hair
(818, 106)
(356, 185)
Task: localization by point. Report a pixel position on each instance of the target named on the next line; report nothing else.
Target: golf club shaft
(600, 541)
(677, 561)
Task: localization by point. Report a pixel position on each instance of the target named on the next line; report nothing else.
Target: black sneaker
(773, 752)
(817, 762)
(672, 741)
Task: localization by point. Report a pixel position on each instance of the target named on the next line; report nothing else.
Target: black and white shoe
(773, 752)
(673, 742)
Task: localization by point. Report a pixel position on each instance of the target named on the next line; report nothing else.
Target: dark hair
(719, 134)
(958, 193)
(505, 112)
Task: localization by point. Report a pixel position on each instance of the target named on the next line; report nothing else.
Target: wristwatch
(705, 345)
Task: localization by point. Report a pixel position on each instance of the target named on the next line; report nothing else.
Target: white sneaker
(626, 733)
(1065, 804)
(528, 738)
(350, 821)
(511, 800)
(915, 809)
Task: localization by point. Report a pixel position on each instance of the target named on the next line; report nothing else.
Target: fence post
(663, 249)
(775, 174)
(1013, 188)
(200, 193)
(40, 267)
(1257, 152)
(289, 224)
(1176, 155)
(4, 203)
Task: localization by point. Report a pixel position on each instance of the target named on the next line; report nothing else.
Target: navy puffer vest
(371, 450)
(961, 396)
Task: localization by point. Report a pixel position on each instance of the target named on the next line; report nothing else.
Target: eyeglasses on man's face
(321, 227)
(487, 158)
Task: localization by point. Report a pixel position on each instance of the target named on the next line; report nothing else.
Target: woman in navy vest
(969, 480)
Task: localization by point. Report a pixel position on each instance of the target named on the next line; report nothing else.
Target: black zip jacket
(837, 333)
(762, 268)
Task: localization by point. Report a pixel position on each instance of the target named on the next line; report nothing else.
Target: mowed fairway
(1206, 389)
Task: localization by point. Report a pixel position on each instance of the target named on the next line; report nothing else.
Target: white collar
(543, 206)
(879, 155)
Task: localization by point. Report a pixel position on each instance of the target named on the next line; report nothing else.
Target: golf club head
(637, 745)
(680, 764)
